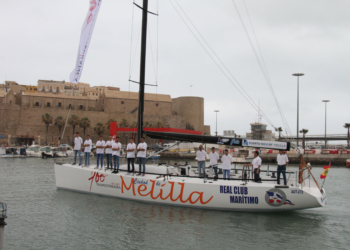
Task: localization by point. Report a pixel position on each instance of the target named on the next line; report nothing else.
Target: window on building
(96, 94)
(81, 106)
(59, 104)
(50, 88)
(43, 88)
(30, 88)
(48, 104)
(37, 104)
(122, 102)
(157, 104)
(70, 105)
(10, 101)
(57, 89)
(93, 93)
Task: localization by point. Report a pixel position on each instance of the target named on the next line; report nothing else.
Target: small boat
(34, 151)
(348, 163)
(12, 152)
(46, 152)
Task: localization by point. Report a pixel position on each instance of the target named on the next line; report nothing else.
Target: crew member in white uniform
(116, 146)
(282, 162)
(256, 163)
(201, 155)
(226, 160)
(109, 151)
(214, 159)
(100, 146)
(87, 150)
(130, 155)
(77, 148)
(141, 155)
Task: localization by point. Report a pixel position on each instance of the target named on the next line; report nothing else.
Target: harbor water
(42, 217)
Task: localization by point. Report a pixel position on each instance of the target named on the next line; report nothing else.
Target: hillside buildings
(21, 113)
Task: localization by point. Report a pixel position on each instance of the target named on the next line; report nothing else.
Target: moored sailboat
(180, 185)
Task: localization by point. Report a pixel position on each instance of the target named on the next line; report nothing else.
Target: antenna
(259, 115)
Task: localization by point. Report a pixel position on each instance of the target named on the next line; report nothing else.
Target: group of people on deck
(111, 149)
(227, 161)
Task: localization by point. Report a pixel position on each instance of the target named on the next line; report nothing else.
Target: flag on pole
(85, 37)
(325, 171)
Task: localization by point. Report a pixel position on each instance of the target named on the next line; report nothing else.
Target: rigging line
(132, 32)
(150, 41)
(284, 121)
(254, 105)
(256, 40)
(214, 52)
(261, 65)
(157, 42)
(136, 50)
(250, 102)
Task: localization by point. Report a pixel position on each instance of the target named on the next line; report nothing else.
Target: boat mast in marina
(142, 70)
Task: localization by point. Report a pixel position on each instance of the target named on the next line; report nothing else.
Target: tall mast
(142, 70)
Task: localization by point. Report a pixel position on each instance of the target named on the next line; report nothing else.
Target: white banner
(265, 144)
(85, 36)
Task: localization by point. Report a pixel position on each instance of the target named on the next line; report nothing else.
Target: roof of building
(11, 83)
(61, 96)
(135, 96)
(82, 84)
(50, 82)
(3, 91)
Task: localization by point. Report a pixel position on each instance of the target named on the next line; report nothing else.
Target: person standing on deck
(201, 156)
(282, 162)
(130, 149)
(226, 160)
(87, 150)
(256, 164)
(141, 155)
(100, 146)
(214, 159)
(77, 148)
(108, 151)
(116, 146)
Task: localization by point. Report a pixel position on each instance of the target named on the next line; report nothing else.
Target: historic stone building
(22, 120)
(51, 86)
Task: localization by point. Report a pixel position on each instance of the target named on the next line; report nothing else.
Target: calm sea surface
(42, 217)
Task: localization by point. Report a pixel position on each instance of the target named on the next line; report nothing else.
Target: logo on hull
(276, 197)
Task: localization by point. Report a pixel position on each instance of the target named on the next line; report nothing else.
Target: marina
(117, 158)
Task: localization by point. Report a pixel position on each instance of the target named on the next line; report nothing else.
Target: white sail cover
(85, 37)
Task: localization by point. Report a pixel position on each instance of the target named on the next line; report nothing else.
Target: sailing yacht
(180, 185)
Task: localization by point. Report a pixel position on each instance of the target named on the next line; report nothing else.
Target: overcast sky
(40, 40)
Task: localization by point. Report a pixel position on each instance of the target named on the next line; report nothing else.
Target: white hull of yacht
(188, 192)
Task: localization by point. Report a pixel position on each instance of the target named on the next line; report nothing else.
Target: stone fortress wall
(24, 119)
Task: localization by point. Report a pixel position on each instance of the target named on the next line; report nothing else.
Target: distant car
(64, 146)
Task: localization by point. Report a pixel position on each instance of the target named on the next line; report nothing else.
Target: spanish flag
(325, 171)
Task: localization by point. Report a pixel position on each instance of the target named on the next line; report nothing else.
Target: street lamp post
(216, 130)
(298, 74)
(325, 123)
